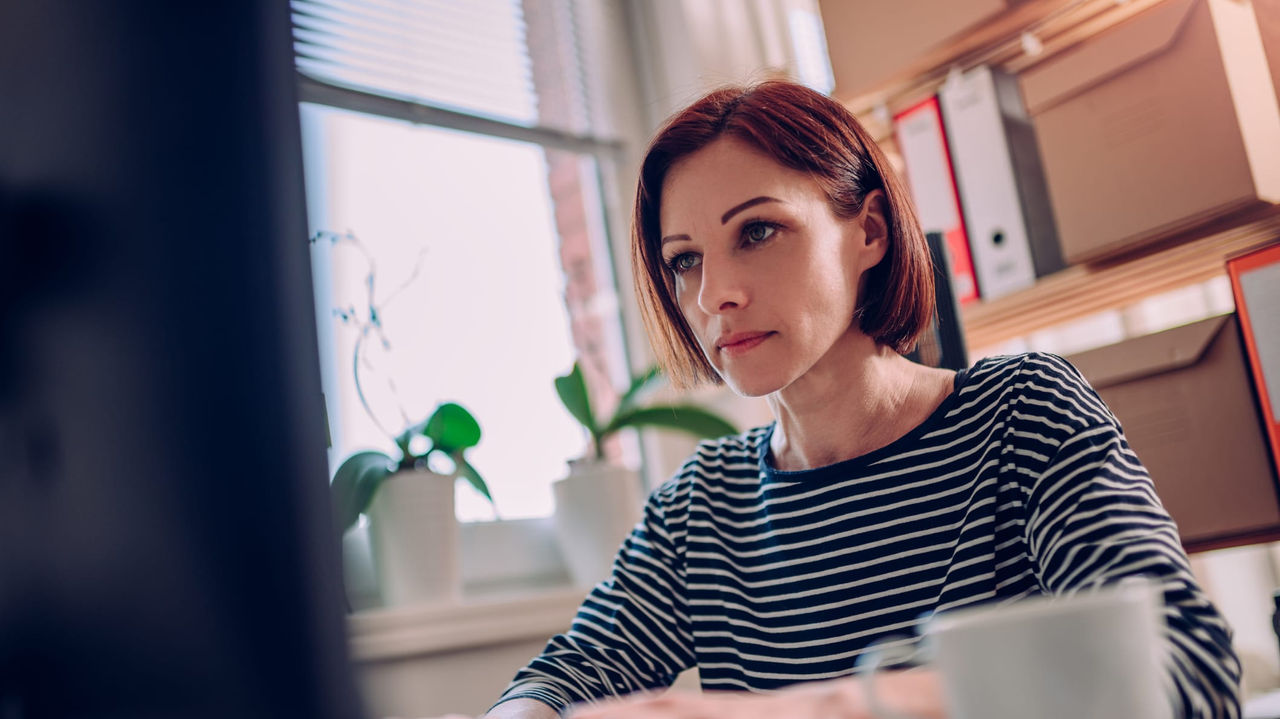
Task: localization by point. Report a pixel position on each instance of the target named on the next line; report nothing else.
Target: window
(457, 142)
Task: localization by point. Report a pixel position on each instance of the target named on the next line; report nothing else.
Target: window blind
(469, 55)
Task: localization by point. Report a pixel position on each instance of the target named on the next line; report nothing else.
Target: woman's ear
(874, 219)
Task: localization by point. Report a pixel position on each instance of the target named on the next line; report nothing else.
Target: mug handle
(876, 656)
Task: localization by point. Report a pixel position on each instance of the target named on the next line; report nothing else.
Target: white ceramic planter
(358, 574)
(414, 535)
(596, 507)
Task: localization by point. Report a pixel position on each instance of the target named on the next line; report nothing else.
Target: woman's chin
(752, 384)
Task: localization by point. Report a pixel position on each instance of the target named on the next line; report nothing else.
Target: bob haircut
(806, 131)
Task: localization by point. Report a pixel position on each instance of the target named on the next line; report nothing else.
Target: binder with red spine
(923, 143)
(1255, 281)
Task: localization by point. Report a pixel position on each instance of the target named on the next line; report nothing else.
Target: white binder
(1002, 189)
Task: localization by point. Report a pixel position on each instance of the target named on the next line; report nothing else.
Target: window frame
(489, 573)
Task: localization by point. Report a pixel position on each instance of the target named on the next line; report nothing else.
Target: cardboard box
(1186, 404)
(1268, 14)
(1160, 124)
(870, 42)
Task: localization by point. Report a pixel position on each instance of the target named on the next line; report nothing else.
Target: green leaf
(354, 485)
(639, 385)
(451, 428)
(685, 418)
(572, 389)
(469, 473)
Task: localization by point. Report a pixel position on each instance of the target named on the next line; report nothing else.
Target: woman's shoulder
(1026, 367)
(1036, 383)
(730, 459)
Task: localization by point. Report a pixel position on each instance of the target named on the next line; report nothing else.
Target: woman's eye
(758, 232)
(683, 262)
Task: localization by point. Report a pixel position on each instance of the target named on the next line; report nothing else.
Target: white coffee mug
(1098, 654)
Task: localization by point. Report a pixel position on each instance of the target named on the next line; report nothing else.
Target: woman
(775, 250)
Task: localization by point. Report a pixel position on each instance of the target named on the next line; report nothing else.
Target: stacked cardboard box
(1158, 125)
(1186, 403)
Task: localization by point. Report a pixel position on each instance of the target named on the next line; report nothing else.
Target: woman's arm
(1093, 518)
(915, 693)
(631, 633)
(522, 709)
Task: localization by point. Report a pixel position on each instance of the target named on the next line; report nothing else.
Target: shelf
(1057, 24)
(1082, 290)
(1077, 292)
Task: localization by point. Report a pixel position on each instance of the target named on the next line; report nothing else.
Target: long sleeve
(1093, 518)
(632, 632)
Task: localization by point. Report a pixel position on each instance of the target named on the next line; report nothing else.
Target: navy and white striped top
(1020, 483)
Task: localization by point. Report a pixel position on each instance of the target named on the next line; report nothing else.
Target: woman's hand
(915, 693)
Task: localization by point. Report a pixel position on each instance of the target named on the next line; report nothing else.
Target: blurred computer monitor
(166, 547)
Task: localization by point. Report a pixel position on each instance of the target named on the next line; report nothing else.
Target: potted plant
(598, 503)
(450, 431)
(409, 499)
(413, 531)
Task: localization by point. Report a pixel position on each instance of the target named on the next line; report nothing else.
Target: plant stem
(355, 371)
(413, 275)
(373, 323)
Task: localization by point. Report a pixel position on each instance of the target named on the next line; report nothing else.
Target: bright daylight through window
(484, 231)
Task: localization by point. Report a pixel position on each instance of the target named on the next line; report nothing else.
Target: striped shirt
(1020, 483)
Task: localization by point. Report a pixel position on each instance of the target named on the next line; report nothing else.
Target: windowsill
(515, 588)
(388, 634)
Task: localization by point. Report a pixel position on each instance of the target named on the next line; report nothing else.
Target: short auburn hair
(807, 131)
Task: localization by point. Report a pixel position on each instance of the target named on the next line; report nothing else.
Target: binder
(1255, 282)
(1003, 193)
(923, 144)
(942, 342)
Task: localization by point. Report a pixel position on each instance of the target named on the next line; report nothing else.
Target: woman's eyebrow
(724, 219)
(749, 203)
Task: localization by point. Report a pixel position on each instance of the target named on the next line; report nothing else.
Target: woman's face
(765, 274)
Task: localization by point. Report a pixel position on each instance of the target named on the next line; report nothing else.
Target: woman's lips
(741, 342)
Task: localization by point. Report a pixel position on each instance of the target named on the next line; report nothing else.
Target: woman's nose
(722, 289)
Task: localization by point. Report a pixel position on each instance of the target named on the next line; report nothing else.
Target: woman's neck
(859, 398)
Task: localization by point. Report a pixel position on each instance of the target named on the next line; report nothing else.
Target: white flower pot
(360, 579)
(597, 505)
(414, 537)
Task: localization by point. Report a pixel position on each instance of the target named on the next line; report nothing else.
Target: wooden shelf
(1079, 291)
(1057, 24)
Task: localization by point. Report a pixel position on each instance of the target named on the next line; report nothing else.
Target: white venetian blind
(465, 54)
